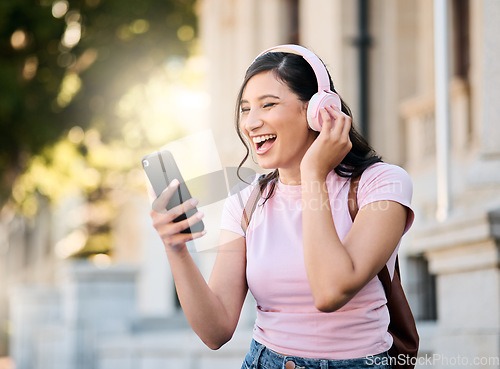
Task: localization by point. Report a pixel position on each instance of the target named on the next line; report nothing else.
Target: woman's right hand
(163, 220)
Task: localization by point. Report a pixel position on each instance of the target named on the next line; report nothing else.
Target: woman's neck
(290, 176)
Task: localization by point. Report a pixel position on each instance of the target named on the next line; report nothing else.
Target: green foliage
(87, 87)
(58, 73)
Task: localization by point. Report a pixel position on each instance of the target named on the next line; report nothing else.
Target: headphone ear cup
(318, 101)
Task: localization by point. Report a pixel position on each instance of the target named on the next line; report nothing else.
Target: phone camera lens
(145, 163)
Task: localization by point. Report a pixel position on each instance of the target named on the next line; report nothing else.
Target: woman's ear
(305, 106)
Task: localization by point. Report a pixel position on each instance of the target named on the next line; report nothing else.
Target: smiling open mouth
(263, 143)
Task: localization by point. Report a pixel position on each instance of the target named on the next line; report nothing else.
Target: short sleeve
(234, 205)
(384, 181)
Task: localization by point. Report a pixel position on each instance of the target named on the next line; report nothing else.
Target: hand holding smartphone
(161, 169)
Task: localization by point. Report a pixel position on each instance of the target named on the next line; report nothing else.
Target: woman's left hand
(331, 146)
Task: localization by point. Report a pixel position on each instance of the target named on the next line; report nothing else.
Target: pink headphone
(324, 96)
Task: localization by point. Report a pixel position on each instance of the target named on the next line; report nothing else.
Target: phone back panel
(161, 169)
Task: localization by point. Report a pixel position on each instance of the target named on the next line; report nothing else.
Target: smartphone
(161, 169)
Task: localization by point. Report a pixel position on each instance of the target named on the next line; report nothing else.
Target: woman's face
(274, 120)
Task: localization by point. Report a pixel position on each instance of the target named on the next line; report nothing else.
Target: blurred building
(381, 57)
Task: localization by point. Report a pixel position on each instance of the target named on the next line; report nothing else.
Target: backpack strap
(352, 202)
(251, 205)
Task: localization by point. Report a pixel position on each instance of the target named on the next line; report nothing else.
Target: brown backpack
(402, 328)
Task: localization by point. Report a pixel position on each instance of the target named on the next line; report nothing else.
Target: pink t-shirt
(287, 320)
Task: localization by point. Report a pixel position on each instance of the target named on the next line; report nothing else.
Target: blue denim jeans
(260, 357)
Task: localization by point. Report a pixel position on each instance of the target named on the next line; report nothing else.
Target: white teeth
(262, 138)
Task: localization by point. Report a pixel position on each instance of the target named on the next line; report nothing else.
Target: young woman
(311, 268)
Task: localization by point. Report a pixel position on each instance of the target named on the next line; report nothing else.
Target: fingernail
(174, 183)
(200, 215)
(204, 232)
(194, 201)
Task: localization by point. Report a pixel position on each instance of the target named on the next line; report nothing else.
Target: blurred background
(88, 87)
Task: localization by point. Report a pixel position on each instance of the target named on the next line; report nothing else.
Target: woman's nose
(252, 121)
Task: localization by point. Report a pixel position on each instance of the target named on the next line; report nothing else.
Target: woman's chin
(266, 164)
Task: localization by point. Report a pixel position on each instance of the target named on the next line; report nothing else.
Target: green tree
(67, 63)
(68, 71)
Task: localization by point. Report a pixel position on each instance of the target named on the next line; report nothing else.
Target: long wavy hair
(299, 76)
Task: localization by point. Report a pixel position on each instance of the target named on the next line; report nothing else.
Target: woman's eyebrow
(261, 98)
(269, 95)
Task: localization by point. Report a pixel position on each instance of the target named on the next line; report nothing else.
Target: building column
(33, 309)
(326, 26)
(490, 70)
(97, 303)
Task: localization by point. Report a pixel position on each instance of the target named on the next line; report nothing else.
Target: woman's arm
(338, 270)
(212, 309)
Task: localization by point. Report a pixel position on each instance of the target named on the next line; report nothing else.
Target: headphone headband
(316, 64)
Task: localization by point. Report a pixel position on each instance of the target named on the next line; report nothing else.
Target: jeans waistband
(264, 358)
